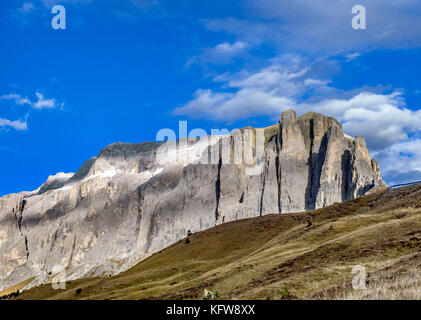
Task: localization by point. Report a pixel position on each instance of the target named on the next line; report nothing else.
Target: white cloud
(266, 92)
(382, 119)
(230, 107)
(401, 161)
(17, 124)
(16, 97)
(43, 103)
(221, 53)
(226, 48)
(352, 56)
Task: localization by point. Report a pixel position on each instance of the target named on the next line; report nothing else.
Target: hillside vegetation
(307, 255)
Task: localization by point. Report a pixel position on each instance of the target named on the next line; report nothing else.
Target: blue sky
(122, 70)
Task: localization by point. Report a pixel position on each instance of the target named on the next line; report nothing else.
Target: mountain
(308, 255)
(136, 199)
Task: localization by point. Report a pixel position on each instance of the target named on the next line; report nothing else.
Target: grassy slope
(305, 255)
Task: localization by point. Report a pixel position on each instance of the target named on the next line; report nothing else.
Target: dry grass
(16, 287)
(279, 256)
(390, 287)
(400, 281)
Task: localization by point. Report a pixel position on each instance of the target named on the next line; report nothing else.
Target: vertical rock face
(135, 199)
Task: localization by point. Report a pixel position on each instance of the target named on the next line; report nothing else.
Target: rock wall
(136, 199)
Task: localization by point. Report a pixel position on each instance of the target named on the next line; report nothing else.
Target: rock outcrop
(135, 199)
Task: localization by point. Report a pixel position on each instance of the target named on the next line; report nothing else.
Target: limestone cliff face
(135, 199)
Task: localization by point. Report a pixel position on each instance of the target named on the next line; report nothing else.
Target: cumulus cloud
(230, 107)
(266, 92)
(222, 53)
(352, 56)
(43, 103)
(401, 162)
(16, 124)
(17, 99)
(226, 48)
(382, 119)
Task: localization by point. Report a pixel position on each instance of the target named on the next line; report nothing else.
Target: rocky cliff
(135, 199)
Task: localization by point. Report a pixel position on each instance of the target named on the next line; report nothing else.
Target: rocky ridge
(136, 199)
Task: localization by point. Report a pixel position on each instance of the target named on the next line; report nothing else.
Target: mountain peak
(136, 199)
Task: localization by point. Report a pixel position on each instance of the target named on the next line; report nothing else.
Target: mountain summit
(136, 199)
